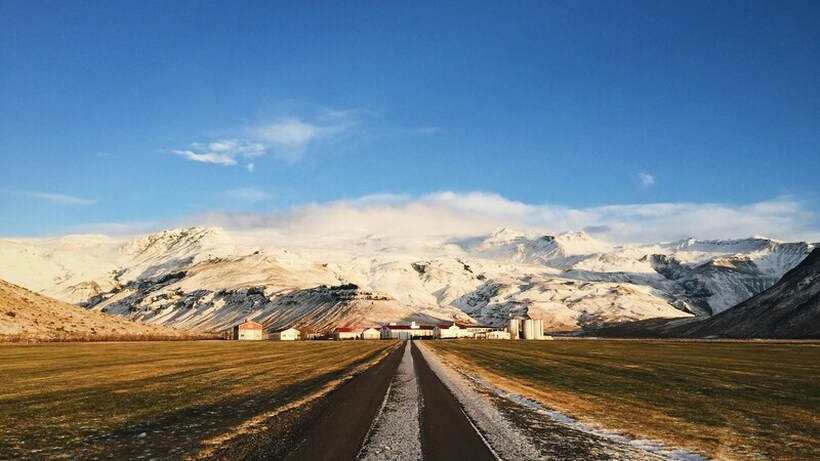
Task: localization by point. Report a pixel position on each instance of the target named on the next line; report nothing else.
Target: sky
(632, 121)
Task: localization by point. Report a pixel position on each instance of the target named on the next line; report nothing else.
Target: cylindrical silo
(539, 329)
(514, 328)
(529, 329)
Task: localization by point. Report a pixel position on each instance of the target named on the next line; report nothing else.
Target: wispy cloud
(454, 213)
(249, 194)
(290, 137)
(647, 180)
(222, 152)
(62, 199)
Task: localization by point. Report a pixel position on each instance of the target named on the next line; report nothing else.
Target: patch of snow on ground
(650, 446)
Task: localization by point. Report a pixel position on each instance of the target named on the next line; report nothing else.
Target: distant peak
(505, 233)
(173, 238)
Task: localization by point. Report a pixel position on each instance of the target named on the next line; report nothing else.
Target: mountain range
(208, 279)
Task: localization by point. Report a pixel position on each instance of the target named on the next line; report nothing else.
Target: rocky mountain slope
(209, 278)
(789, 309)
(28, 316)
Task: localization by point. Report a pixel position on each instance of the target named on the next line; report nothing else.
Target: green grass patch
(731, 400)
(157, 399)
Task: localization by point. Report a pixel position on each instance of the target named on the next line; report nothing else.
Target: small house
(345, 333)
(287, 334)
(248, 331)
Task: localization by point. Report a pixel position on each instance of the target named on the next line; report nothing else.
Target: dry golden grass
(730, 400)
(154, 399)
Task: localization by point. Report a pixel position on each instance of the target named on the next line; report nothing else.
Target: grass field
(154, 400)
(730, 400)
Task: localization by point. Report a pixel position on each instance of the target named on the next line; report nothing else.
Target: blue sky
(131, 115)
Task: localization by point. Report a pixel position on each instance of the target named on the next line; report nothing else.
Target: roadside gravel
(394, 435)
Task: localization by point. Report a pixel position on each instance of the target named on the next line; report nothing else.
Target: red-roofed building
(346, 333)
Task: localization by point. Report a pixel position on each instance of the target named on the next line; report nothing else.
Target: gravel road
(413, 405)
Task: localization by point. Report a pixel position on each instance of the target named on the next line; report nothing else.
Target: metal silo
(514, 327)
(529, 329)
(539, 329)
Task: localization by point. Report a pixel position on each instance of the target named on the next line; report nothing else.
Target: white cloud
(475, 213)
(249, 194)
(222, 152)
(209, 157)
(285, 137)
(250, 167)
(647, 180)
(62, 199)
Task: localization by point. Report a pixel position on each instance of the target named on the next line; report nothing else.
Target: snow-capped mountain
(210, 278)
(790, 309)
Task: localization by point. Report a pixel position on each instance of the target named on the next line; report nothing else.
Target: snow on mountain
(209, 278)
(50, 266)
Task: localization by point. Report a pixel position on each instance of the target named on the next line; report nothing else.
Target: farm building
(346, 333)
(247, 331)
(444, 331)
(497, 335)
(371, 333)
(288, 334)
(396, 331)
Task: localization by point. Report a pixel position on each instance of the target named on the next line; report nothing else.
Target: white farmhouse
(247, 331)
(288, 334)
(454, 331)
(371, 333)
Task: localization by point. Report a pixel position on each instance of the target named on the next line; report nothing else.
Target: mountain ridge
(206, 278)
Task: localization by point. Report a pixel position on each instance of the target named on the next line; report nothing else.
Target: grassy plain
(154, 399)
(730, 400)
